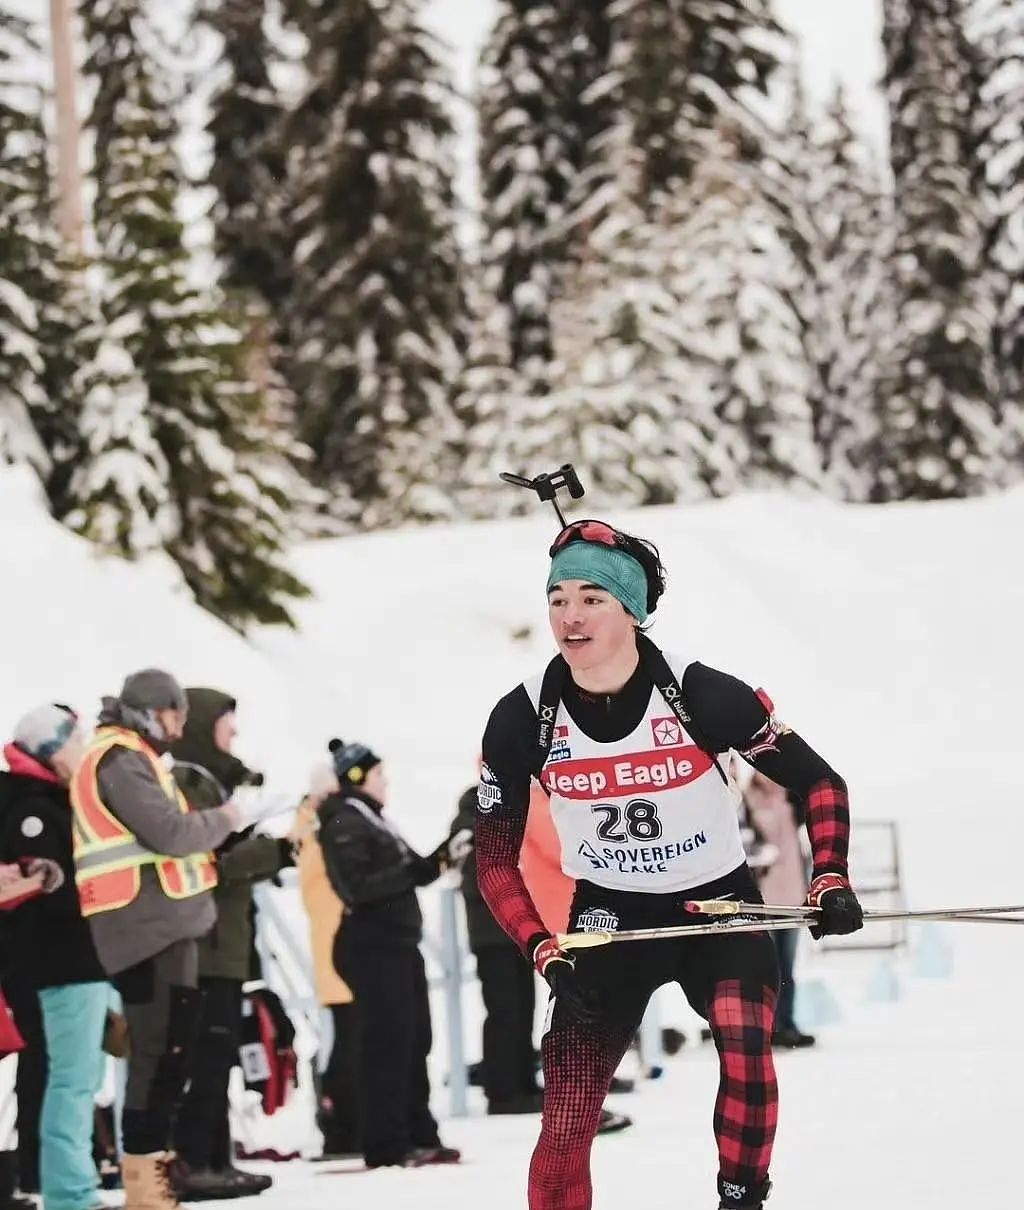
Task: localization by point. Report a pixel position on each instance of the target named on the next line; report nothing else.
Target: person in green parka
(209, 774)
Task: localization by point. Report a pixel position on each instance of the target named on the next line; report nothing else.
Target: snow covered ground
(909, 1106)
(889, 637)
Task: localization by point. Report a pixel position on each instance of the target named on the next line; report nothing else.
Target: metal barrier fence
(288, 969)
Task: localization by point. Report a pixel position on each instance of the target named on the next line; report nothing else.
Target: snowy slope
(880, 634)
(75, 622)
(888, 636)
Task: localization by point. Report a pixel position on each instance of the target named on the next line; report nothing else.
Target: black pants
(31, 1078)
(104, 1136)
(161, 1004)
(8, 1177)
(392, 1016)
(202, 1136)
(339, 1085)
(785, 949)
(507, 986)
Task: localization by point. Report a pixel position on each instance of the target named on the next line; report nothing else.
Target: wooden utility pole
(65, 79)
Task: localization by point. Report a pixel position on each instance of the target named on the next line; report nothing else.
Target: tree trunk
(65, 76)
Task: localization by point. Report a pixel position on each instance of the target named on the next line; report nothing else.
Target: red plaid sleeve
(790, 762)
(828, 826)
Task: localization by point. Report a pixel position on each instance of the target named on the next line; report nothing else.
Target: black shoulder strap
(547, 711)
(657, 669)
(661, 674)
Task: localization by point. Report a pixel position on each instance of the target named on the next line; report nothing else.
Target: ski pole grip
(712, 907)
(583, 941)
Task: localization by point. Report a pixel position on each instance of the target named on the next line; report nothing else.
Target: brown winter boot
(147, 1182)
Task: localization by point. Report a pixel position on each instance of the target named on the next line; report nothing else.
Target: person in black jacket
(507, 986)
(51, 950)
(375, 874)
(208, 774)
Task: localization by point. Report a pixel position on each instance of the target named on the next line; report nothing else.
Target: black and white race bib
(647, 813)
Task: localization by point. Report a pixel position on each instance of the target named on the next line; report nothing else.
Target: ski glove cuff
(546, 951)
(839, 908)
(557, 969)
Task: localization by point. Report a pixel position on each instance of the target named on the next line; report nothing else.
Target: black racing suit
(730, 980)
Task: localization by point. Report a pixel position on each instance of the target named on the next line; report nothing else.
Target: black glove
(557, 969)
(840, 910)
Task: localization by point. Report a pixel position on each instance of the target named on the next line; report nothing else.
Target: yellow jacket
(323, 907)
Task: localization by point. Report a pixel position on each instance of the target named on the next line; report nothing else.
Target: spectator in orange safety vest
(145, 877)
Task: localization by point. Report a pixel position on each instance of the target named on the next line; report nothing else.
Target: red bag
(268, 1060)
(11, 1040)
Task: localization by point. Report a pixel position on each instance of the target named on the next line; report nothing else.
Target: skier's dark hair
(647, 555)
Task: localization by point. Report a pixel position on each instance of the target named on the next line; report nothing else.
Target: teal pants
(73, 1020)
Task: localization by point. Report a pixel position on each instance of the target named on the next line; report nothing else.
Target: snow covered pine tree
(376, 307)
(938, 431)
(999, 31)
(224, 484)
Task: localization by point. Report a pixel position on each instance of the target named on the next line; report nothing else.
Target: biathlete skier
(627, 741)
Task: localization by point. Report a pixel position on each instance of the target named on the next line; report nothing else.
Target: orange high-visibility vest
(108, 857)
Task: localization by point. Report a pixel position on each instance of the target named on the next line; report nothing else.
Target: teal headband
(606, 566)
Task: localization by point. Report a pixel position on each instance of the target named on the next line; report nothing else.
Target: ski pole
(585, 941)
(768, 924)
(733, 907)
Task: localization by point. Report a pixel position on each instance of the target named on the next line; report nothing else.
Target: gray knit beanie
(152, 689)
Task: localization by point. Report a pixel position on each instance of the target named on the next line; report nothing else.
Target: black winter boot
(751, 1196)
(792, 1038)
(9, 1200)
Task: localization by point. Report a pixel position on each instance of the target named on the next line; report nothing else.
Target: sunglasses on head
(585, 531)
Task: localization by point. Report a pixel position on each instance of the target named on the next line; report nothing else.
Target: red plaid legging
(732, 981)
